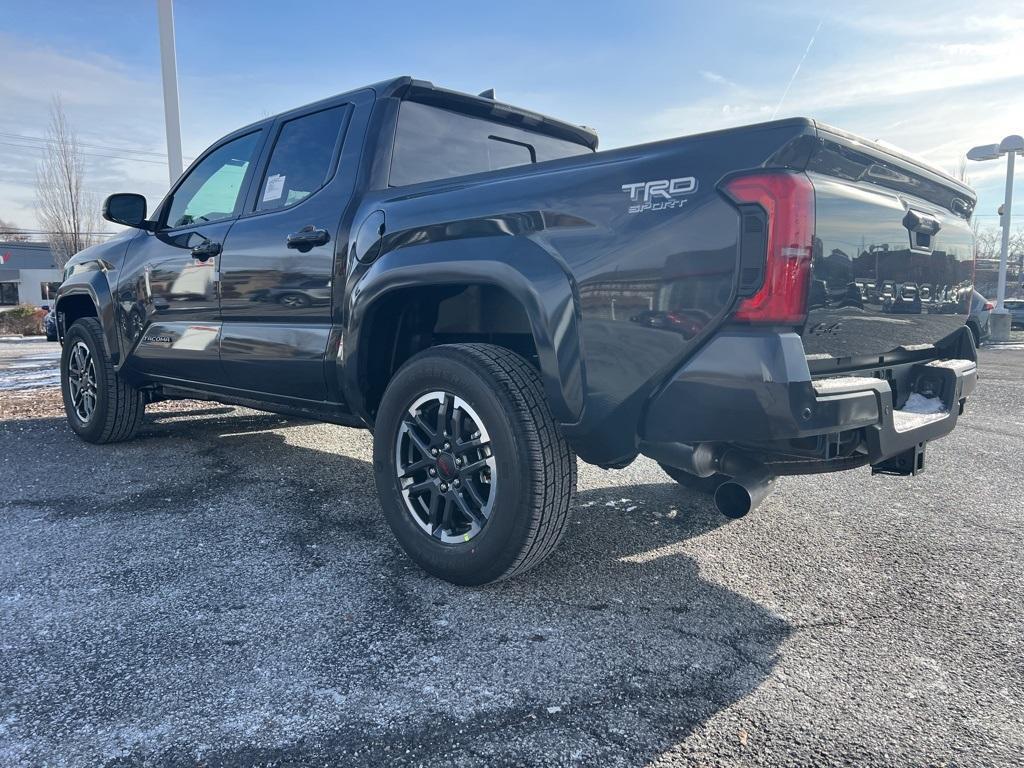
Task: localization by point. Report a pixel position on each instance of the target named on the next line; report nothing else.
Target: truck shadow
(297, 610)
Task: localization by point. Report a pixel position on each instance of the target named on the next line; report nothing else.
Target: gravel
(223, 591)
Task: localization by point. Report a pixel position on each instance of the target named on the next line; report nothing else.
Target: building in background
(28, 274)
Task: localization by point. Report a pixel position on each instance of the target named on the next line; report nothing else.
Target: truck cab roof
(408, 88)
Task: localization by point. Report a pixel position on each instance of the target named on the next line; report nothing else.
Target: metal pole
(169, 68)
(1005, 249)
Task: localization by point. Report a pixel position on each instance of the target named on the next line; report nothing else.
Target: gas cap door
(369, 237)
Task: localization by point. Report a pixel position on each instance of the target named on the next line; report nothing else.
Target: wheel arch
(535, 296)
(87, 294)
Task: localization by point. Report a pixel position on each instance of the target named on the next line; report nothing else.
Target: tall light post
(1010, 146)
(169, 69)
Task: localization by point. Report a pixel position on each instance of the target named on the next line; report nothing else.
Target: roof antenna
(488, 94)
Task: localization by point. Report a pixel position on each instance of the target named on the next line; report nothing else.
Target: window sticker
(274, 188)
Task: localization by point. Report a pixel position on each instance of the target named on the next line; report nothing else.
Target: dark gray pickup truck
(493, 297)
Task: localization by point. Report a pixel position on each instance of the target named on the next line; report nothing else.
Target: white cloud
(109, 106)
(932, 81)
(717, 79)
(935, 88)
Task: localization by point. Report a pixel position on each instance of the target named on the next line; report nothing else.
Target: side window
(301, 161)
(212, 190)
(8, 293)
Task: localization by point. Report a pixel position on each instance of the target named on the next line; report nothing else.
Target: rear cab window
(434, 143)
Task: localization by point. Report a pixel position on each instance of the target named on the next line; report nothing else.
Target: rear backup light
(788, 203)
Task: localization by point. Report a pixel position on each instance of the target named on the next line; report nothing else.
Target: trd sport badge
(660, 194)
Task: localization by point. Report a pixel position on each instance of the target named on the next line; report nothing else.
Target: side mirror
(126, 208)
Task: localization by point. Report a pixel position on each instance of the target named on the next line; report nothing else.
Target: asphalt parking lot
(223, 591)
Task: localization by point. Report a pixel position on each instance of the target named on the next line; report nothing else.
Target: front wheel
(101, 406)
(474, 475)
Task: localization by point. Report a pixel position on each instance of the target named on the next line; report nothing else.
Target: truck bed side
(652, 269)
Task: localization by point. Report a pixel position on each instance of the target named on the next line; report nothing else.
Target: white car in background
(1016, 309)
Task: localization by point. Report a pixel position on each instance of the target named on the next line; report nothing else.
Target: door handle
(205, 250)
(308, 237)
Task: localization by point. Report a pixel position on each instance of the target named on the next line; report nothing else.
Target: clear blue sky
(933, 78)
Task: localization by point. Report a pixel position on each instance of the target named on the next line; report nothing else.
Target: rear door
(276, 272)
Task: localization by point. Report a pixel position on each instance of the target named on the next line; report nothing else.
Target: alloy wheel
(82, 381)
(445, 467)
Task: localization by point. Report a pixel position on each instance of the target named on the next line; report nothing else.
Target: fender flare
(93, 283)
(519, 266)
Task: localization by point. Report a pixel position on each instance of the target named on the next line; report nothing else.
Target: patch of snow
(917, 412)
(918, 403)
(30, 371)
(917, 347)
(954, 365)
(30, 379)
(844, 383)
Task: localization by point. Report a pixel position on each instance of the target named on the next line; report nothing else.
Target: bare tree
(1015, 257)
(12, 233)
(986, 243)
(64, 210)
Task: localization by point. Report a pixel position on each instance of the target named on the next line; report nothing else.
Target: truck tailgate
(893, 264)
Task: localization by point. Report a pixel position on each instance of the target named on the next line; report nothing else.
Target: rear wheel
(700, 484)
(473, 474)
(101, 406)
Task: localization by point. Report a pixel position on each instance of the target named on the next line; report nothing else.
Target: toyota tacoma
(492, 297)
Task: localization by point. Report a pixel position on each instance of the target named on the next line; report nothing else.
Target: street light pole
(1004, 251)
(999, 322)
(169, 69)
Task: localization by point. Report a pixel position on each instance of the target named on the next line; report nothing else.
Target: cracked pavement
(223, 591)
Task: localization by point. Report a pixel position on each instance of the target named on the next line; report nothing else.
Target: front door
(278, 260)
(167, 295)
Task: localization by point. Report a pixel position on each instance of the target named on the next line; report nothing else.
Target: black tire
(700, 484)
(534, 467)
(118, 408)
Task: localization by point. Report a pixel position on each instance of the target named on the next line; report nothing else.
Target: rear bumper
(893, 431)
(753, 389)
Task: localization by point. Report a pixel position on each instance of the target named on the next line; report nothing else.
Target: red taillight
(788, 201)
(989, 306)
